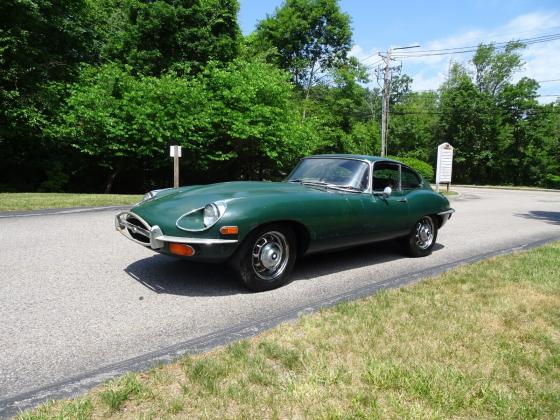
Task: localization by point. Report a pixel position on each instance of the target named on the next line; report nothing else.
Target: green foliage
(254, 118)
(494, 69)
(306, 37)
(501, 134)
(41, 42)
(92, 93)
(413, 124)
(156, 36)
(241, 118)
(423, 168)
(114, 116)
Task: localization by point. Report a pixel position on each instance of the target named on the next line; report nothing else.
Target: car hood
(175, 202)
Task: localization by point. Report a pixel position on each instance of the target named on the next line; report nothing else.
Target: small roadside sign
(175, 150)
(444, 165)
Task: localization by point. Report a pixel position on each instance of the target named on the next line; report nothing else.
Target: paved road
(79, 303)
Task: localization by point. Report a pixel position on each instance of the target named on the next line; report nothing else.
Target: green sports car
(328, 202)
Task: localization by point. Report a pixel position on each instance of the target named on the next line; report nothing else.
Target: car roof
(349, 156)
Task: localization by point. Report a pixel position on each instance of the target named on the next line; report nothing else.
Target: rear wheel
(422, 238)
(267, 257)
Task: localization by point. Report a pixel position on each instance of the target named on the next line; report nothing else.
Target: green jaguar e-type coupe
(328, 202)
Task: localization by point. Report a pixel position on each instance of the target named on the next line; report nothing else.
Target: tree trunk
(307, 90)
(111, 179)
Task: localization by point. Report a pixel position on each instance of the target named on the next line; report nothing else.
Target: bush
(423, 168)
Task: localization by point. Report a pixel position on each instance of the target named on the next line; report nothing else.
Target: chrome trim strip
(222, 202)
(201, 241)
(450, 211)
(135, 228)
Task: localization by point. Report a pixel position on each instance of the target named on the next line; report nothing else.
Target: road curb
(511, 188)
(81, 383)
(65, 210)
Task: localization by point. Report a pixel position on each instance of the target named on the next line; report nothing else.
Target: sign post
(444, 165)
(175, 152)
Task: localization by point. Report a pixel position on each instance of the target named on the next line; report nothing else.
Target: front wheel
(267, 257)
(422, 238)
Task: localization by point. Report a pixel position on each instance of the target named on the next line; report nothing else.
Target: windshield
(332, 172)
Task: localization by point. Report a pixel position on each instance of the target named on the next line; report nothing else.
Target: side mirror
(387, 192)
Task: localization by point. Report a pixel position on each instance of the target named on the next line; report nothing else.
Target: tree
(494, 69)
(41, 46)
(470, 121)
(256, 131)
(155, 36)
(242, 117)
(310, 38)
(413, 124)
(121, 119)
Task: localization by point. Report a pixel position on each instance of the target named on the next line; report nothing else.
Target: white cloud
(542, 60)
(368, 57)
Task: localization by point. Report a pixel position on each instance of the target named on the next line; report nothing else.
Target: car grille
(136, 228)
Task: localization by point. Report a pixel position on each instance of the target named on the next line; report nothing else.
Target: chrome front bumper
(138, 230)
(445, 216)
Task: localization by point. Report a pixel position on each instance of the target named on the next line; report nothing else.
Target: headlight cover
(202, 218)
(212, 213)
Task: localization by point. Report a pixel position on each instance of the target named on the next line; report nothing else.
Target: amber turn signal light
(229, 230)
(181, 249)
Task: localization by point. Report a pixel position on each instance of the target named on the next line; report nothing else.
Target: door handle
(402, 200)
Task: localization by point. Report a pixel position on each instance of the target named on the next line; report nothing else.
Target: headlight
(212, 212)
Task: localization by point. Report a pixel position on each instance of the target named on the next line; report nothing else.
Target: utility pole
(385, 103)
(386, 95)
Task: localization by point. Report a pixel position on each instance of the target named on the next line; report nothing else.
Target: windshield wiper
(344, 187)
(315, 182)
(352, 187)
(308, 181)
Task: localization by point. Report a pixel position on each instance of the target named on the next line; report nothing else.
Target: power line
(549, 80)
(469, 48)
(474, 48)
(542, 38)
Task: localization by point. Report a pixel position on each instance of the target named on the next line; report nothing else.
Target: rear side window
(385, 174)
(410, 180)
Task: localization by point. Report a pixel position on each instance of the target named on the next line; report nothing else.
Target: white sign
(172, 151)
(444, 163)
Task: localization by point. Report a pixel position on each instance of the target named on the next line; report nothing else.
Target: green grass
(481, 341)
(34, 201)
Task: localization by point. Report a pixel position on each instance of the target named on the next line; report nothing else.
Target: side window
(409, 179)
(385, 174)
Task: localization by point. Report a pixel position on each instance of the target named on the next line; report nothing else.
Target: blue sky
(444, 24)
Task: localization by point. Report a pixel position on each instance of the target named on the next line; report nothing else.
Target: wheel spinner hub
(424, 233)
(270, 255)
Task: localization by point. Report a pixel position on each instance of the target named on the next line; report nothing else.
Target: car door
(411, 185)
(386, 216)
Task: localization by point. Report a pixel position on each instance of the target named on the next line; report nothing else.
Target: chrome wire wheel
(424, 235)
(270, 255)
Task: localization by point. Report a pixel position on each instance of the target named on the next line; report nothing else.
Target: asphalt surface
(79, 303)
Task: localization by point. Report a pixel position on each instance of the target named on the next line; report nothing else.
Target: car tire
(422, 238)
(267, 257)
